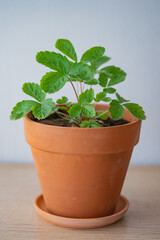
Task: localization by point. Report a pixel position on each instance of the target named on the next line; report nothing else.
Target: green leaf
(75, 110)
(121, 99)
(94, 124)
(86, 97)
(70, 120)
(116, 110)
(44, 109)
(66, 47)
(88, 110)
(34, 90)
(81, 71)
(62, 100)
(115, 74)
(74, 79)
(92, 82)
(92, 54)
(71, 64)
(52, 82)
(106, 99)
(102, 114)
(85, 124)
(63, 108)
(95, 64)
(103, 79)
(136, 110)
(21, 109)
(109, 90)
(100, 96)
(54, 61)
(68, 104)
(89, 124)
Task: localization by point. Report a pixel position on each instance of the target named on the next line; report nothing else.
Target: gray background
(130, 31)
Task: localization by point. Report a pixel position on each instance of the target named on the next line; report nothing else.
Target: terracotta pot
(82, 170)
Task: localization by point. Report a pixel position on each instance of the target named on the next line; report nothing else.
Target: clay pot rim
(83, 129)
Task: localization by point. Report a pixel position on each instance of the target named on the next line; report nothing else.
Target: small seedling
(86, 72)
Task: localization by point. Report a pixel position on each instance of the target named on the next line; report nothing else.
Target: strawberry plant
(87, 72)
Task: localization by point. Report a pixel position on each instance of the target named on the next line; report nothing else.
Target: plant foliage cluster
(86, 72)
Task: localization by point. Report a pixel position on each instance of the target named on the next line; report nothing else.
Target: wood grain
(19, 220)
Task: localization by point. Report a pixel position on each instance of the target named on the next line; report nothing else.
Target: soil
(55, 120)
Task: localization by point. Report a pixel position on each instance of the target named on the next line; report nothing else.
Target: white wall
(130, 31)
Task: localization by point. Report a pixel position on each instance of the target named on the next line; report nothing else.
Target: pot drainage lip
(121, 209)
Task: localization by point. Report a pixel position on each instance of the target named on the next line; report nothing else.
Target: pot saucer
(121, 209)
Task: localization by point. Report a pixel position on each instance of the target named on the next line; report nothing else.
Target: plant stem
(81, 85)
(81, 115)
(76, 95)
(62, 116)
(77, 87)
(65, 115)
(73, 88)
(101, 114)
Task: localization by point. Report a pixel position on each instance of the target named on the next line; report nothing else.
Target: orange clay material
(121, 208)
(82, 170)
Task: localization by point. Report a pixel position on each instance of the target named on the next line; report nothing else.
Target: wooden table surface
(19, 220)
